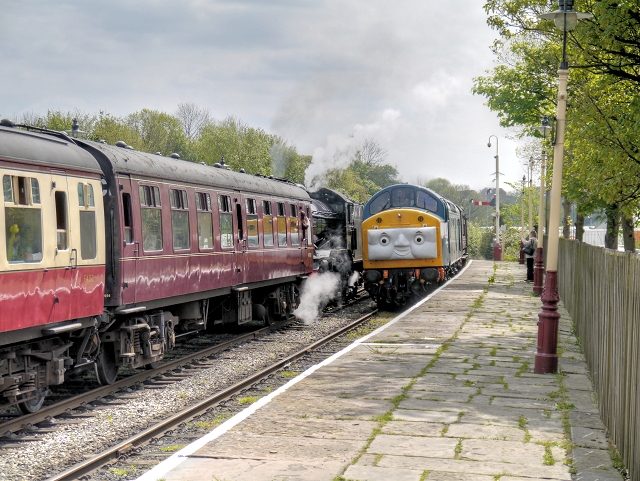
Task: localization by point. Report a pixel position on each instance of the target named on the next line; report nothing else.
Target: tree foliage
(602, 140)
(191, 133)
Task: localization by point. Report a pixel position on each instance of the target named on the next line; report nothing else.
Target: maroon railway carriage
(189, 244)
(110, 254)
(52, 263)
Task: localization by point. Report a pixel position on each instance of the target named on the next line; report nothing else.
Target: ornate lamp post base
(538, 272)
(547, 355)
(521, 252)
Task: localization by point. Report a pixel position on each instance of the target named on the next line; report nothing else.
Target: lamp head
(565, 18)
(489, 144)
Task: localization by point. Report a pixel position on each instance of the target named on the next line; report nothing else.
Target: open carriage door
(306, 245)
(240, 229)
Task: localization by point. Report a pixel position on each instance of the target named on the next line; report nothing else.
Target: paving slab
(198, 469)
(589, 438)
(413, 446)
(502, 451)
(475, 431)
(414, 428)
(376, 473)
(490, 468)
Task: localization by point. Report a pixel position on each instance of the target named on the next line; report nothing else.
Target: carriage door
(129, 241)
(240, 239)
(306, 251)
(66, 254)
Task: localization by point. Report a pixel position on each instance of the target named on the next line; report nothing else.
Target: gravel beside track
(83, 438)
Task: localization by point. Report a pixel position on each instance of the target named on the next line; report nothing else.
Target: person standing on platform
(529, 248)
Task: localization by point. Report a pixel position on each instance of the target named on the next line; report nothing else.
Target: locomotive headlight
(384, 240)
(418, 239)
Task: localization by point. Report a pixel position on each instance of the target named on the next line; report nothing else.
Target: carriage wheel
(106, 367)
(34, 404)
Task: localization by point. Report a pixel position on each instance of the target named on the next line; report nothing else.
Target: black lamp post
(565, 19)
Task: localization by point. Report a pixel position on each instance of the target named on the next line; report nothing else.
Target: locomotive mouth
(402, 251)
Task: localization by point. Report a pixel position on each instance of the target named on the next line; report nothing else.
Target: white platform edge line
(179, 457)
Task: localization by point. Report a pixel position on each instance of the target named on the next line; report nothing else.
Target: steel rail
(122, 448)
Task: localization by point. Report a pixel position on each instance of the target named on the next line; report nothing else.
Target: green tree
(602, 141)
(158, 132)
(242, 146)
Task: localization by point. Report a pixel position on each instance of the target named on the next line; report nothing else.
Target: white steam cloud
(317, 292)
(340, 149)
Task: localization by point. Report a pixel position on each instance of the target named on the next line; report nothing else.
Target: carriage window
(88, 234)
(151, 214)
(61, 220)
(252, 223)
(149, 196)
(425, 201)
(226, 230)
(282, 224)
(267, 223)
(7, 187)
(293, 224)
(226, 221)
(205, 222)
(267, 230)
(35, 191)
(180, 219)
(224, 203)
(282, 231)
(252, 231)
(380, 203)
(23, 219)
(85, 195)
(128, 224)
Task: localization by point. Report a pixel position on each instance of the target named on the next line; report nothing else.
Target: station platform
(444, 391)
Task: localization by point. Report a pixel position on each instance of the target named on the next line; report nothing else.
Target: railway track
(24, 428)
(20, 434)
(131, 445)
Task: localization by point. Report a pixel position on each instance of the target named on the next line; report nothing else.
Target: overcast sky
(323, 74)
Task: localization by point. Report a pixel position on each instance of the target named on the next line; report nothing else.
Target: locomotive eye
(418, 239)
(384, 240)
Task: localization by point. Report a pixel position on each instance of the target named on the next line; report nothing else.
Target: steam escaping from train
(317, 292)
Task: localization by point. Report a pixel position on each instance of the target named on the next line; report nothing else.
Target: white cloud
(434, 94)
(313, 72)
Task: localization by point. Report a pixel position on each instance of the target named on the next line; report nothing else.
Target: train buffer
(445, 390)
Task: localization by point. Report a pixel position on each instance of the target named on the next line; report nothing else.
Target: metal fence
(601, 290)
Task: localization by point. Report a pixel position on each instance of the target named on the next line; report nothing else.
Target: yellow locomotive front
(411, 239)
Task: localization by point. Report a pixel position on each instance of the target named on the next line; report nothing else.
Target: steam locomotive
(337, 234)
(109, 254)
(412, 238)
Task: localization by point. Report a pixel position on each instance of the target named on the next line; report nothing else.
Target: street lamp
(565, 19)
(497, 250)
(538, 270)
(530, 195)
(521, 260)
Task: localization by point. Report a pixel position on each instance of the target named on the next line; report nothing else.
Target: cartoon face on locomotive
(109, 254)
(412, 237)
(337, 224)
